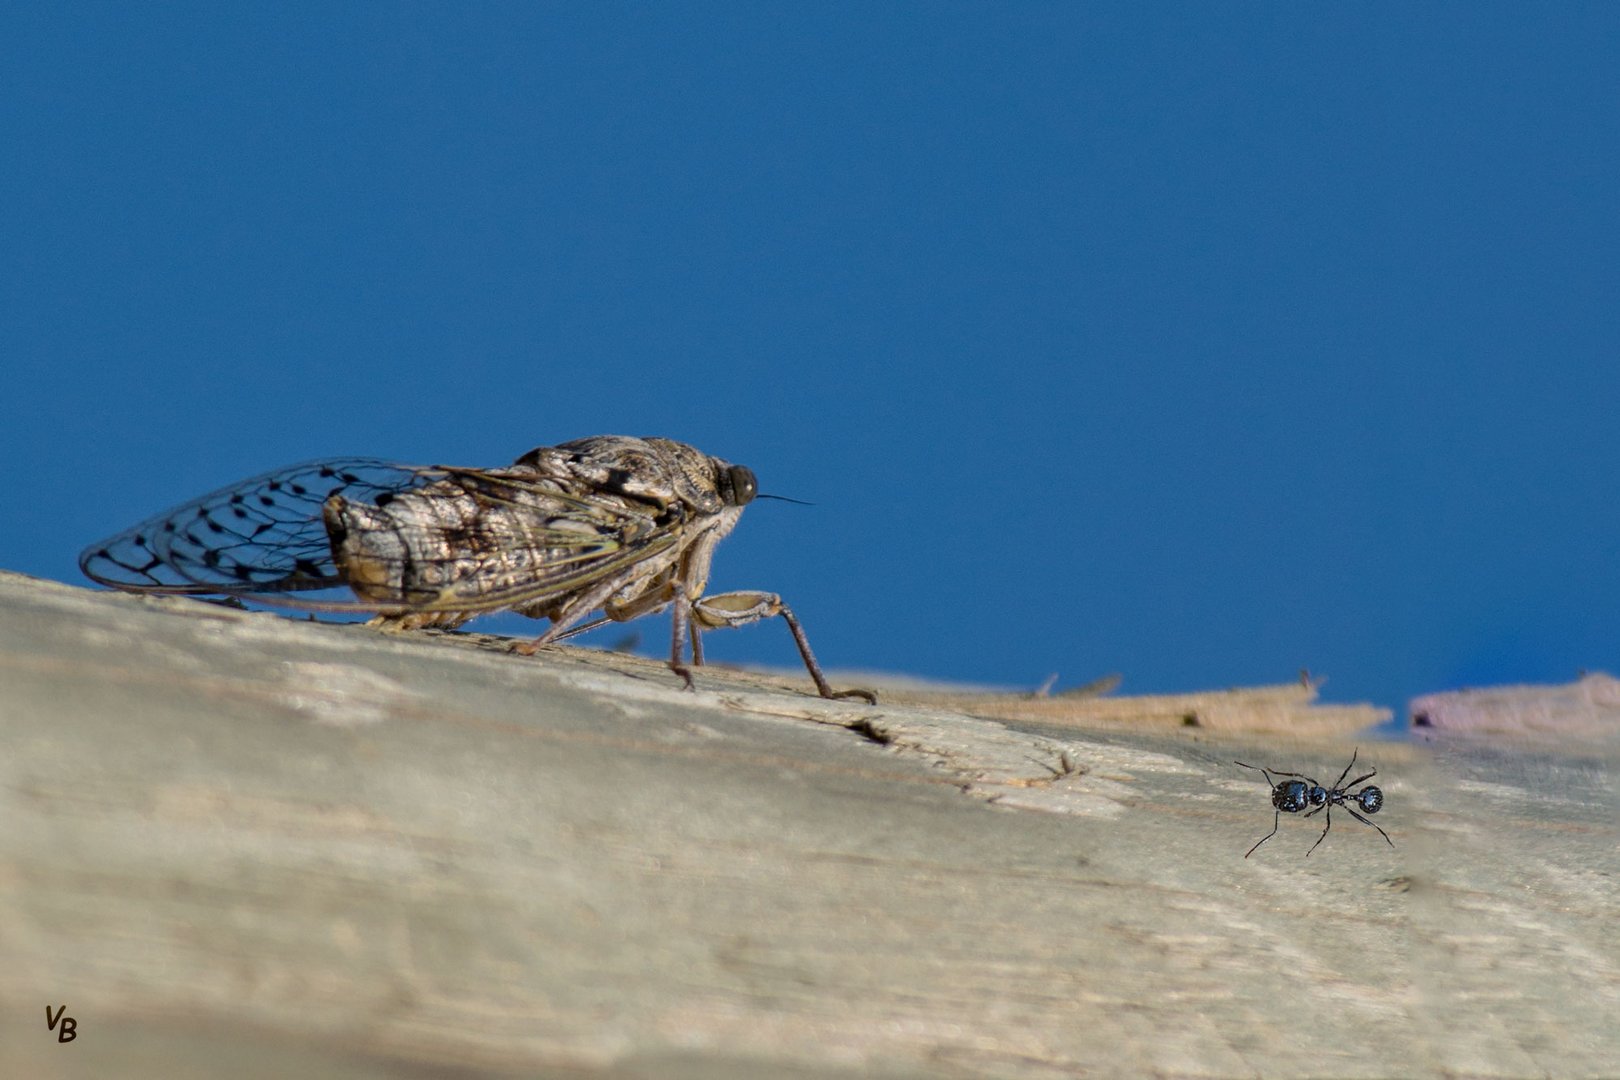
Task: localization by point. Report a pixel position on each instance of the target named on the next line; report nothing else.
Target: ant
(1292, 796)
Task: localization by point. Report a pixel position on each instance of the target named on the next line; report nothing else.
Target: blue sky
(1196, 342)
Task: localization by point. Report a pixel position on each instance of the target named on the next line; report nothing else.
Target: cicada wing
(412, 539)
(263, 537)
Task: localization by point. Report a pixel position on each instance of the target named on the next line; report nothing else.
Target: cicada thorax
(661, 473)
(692, 495)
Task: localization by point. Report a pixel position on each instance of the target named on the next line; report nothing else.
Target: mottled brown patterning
(611, 524)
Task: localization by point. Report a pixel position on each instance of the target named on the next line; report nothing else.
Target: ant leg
(1364, 821)
(1275, 819)
(1329, 808)
(1278, 772)
(1301, 776)
(1261, 770)
(1358, 780)
(1338, 785)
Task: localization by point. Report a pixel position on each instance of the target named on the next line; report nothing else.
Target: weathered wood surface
(243, 845)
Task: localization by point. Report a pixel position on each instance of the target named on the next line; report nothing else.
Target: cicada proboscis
(611, 524)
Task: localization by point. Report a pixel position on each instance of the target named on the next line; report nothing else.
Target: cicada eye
(741, 487)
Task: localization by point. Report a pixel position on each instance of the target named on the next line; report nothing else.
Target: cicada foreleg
(742, 608)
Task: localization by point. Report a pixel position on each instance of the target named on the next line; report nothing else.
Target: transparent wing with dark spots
(264, 535)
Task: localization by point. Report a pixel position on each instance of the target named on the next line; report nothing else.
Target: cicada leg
(742, 608)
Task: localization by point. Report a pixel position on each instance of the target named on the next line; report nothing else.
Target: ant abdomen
(1371, 800)
(1293, 796)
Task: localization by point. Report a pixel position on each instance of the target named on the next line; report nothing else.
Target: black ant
(1292, 796)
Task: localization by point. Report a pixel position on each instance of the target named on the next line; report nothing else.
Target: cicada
(610, 526)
